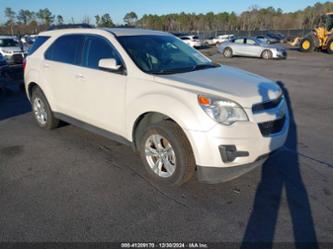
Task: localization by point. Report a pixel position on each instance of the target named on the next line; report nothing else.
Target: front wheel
(307, 45)
(166, 153)
(227, 53)
(330, 46)
(267, 55)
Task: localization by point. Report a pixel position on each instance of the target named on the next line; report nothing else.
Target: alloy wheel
(160, 155)
(40, 111)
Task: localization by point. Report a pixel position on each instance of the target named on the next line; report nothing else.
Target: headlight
(6, 51)
(221, 110)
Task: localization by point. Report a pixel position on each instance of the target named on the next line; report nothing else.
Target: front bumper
(250, 140)
(280, 55)
(16, 58)
(214, 175)
(197, 44)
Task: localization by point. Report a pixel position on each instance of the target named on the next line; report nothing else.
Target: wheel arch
(30, 87)
(145, 120)
(152, 117)
(157, 107)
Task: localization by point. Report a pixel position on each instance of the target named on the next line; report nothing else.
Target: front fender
(185, 111)
(186, 114)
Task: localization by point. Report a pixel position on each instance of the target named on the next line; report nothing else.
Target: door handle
(46, 65)
(79, 77)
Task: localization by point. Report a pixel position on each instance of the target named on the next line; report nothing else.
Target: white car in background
(11, 50)
(181, 112)
(192, 40)
(223, 38)
(3, 62)
(209, 41)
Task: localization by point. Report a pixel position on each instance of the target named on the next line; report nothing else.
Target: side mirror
(109, 64)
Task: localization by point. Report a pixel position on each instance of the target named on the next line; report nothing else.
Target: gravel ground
(71, 185)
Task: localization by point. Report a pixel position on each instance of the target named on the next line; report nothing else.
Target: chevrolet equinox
(181, 112)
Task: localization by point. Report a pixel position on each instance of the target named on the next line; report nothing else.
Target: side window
(185, 38)
(250, 42)
(239, 41)
(97, 48)
(66, 49)
(39, 42)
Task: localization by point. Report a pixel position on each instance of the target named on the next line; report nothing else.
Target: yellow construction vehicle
(321, 38)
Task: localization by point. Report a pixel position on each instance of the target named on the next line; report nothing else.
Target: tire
(227, 53)
(330, 46)
(179, 158)
(42, 111)
(267, 54)
(307, 45)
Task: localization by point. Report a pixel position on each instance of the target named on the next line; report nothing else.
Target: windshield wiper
(204, 66)
(174, 70)
(186, 69)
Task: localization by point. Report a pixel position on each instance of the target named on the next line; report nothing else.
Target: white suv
(10, 50)
(192, 41)
(180, 111)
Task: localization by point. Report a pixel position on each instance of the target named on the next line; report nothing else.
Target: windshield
(8, 43)
(156, 54)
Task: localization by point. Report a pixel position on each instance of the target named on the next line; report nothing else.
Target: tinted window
(66, 49)
(185, 38)
(39, 42)
(239, 41)
(159, 54)
(250, 42)
(7, 42)
(97, 48)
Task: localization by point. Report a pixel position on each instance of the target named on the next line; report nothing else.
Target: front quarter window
(158, 54)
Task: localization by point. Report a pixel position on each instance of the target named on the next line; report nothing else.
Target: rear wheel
(227, 52)
(166, 153)
(307, 45)
(330, 46)
(42, 111)
(267, 55)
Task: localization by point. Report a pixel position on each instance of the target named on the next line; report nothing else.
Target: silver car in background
(252, 47)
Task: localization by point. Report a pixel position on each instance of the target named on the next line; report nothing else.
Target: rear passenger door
(61, 67)
(252, 48)
(238, 46)
(101, 94)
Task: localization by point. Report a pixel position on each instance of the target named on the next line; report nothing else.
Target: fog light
(229, 153)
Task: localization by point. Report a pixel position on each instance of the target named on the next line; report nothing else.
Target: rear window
(36, 45)
(250, 42)
(66, 49)
(239, 41)
(7, 42)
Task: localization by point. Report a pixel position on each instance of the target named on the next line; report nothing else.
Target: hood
(11, 49)
(241, 86)
(278, 46)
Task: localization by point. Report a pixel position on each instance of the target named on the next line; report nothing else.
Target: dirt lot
(71, 185)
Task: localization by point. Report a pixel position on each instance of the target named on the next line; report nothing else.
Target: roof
(6, 37)
(115, 31)
(134, 31)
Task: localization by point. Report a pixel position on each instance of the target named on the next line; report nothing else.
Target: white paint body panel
(114, 102)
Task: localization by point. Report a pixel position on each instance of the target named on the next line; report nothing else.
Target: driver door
(252, 48)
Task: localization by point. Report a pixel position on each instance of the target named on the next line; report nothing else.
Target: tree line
(254, 19)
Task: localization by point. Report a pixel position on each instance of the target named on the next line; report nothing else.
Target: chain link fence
(289, 34)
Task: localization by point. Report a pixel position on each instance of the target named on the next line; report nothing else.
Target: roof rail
(70, 26)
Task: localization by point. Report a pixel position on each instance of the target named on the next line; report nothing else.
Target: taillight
(24, 63)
